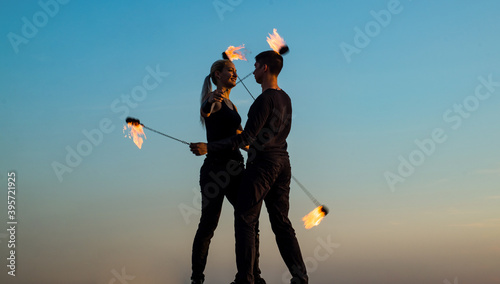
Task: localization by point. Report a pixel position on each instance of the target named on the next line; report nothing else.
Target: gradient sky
(395, 128)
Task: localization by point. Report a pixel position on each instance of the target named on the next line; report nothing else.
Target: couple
(267, 175)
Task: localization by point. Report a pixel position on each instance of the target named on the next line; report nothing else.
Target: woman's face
(227, 77)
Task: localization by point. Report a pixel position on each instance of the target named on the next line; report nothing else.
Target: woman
(221, 172)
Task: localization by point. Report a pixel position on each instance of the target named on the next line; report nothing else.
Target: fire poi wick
(135, 121)
(277, 43)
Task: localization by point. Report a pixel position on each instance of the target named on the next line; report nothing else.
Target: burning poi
(277, 43)
(314, 217)
(136, 131)
(234, 53)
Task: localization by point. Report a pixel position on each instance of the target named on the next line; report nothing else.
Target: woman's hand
(199, 148)
(216, 96)
(207, 107)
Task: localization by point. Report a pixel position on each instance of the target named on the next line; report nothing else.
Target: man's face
(258, 73)
(227, 77)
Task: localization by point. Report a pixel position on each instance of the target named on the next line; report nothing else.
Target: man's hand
(199, 148)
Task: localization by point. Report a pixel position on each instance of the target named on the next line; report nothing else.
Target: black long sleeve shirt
(268, 125)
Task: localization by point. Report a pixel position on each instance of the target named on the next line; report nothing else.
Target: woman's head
(223, 74)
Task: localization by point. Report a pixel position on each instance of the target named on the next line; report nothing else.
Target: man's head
(267, 63)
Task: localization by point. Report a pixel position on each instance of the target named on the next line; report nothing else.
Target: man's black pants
(269, 182)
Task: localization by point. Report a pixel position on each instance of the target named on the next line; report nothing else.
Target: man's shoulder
(274, 93)
(272, 98)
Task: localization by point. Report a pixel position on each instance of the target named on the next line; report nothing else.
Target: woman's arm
(211, 103)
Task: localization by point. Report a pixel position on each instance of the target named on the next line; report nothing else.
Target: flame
(135, 131)
(314, 217)
(233, 53)
(275, 41)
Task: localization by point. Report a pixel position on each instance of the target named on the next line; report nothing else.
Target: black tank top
(220, 125)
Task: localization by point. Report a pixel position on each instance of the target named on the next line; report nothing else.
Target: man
(268, 173)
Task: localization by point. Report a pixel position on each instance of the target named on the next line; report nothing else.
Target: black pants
(269, 182)
(218, 178)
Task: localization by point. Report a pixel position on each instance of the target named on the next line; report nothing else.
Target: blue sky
(419, 73)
